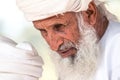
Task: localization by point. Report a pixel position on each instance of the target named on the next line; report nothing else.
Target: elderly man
(84, 41)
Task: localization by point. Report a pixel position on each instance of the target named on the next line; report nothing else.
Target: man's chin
(81, 66)
(75, 67)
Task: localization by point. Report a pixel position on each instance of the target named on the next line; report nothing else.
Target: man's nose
(54, 41)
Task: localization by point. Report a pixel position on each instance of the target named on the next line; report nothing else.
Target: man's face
(83, 65)
(59, 31)
(70, 36)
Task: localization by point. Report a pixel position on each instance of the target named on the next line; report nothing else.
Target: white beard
(83, 66)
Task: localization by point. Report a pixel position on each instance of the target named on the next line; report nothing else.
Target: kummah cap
(41, 9)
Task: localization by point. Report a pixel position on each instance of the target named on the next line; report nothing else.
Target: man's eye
(59, 27)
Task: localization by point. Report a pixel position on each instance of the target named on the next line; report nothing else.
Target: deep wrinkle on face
(59, 29)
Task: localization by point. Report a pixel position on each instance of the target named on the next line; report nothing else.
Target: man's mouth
(67, 52)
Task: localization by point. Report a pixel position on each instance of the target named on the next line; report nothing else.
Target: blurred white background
(14, 26)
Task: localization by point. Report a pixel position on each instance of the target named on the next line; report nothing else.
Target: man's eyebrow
(40, 27)
(58, 23)
(49, 25)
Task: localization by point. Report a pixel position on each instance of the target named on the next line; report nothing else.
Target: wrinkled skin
(60, 29)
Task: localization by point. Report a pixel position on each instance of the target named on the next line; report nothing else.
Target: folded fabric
(41, 9)
(19, 61)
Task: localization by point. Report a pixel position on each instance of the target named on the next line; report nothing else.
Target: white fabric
(19, 61)
(109, 68)
(41, 9)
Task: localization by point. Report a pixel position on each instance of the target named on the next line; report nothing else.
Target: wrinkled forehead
(60, 18)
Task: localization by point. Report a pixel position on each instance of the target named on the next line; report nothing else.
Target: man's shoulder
(111, 50)
(112, 30)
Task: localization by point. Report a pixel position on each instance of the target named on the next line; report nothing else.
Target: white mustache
(66, 45)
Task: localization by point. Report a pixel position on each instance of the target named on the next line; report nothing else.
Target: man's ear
(91, 14)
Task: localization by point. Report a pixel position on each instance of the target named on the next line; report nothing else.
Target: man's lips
(67, 52)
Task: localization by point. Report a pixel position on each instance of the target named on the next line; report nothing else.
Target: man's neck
(101, 26)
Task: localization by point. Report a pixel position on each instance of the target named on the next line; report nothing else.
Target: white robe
(109, 68)
(19, 61)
